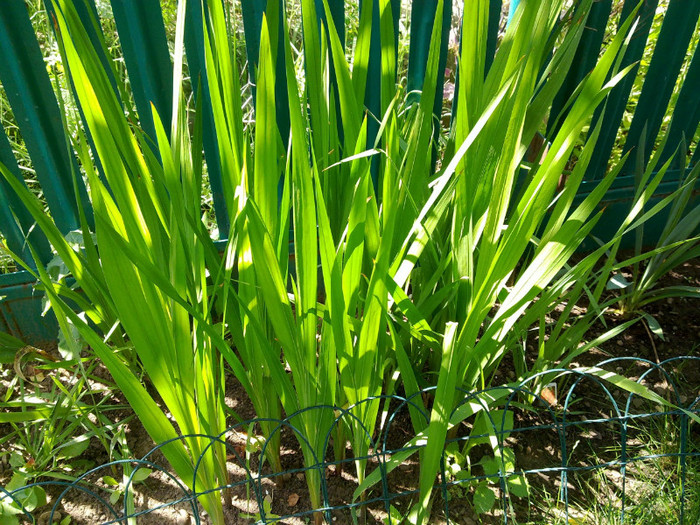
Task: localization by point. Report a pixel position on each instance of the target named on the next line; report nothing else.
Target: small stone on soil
(44, 518)
(183, 518)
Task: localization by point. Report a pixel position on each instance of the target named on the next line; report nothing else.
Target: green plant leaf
(654, 326)
(9, 512)
(490, 465)
(109, 480)
(32, 497)
(518, 486)
(16, 460)
(439, 417)
(493, 427)
(633, 387)
(114, 497)
(74, 448)
(618, 282)
(9, 346)
(484, 498)
(141, 475)
(394, 518)
(19, 479)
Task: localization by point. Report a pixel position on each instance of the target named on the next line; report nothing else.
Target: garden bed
(536, 442)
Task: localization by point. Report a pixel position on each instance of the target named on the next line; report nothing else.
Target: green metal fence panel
(15, 221)
(585, 58)
(677, 29)
(495, 7)
(194, 45)
(544, 439)
(25, 79)
(422, 20)
(337, 8)
(145, 49)
(617, 203)
(660, 79)
(21, 310)
(617, 100)
(252, 11)
(87, 12)
(373, 93)
(686, 114)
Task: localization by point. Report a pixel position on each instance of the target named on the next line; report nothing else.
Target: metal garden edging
(563, 420)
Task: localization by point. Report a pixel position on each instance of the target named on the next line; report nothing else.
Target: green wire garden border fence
(143, 39)
(610, 408)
